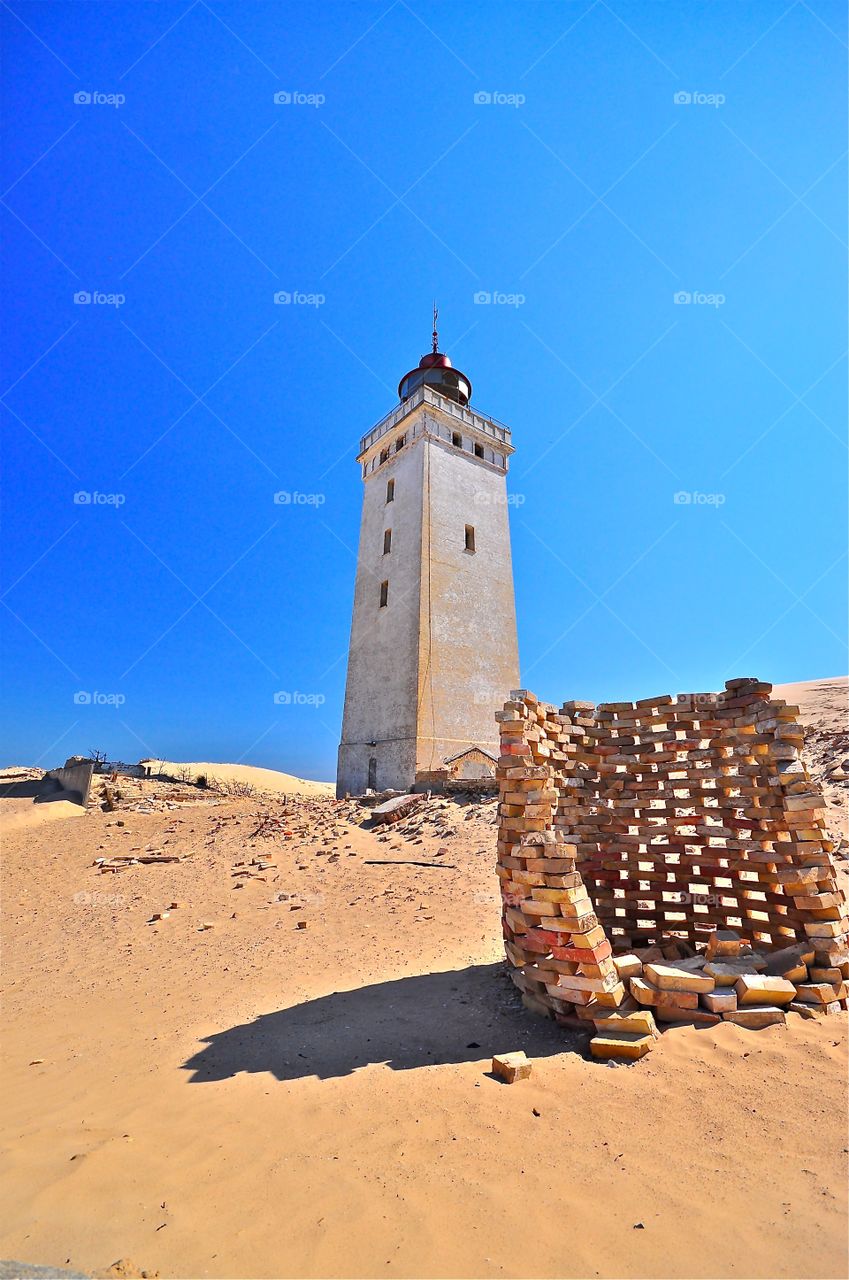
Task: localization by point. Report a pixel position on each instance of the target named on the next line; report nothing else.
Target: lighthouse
(433, 650)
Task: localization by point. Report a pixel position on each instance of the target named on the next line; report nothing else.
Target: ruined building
(433, 649)
(633, 834)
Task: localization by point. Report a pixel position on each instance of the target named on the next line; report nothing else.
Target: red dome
(435, 370)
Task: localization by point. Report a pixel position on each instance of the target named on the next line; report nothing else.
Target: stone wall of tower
(382, 684)
(468, 650)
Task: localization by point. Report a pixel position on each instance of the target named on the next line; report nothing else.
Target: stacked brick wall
(639, 823)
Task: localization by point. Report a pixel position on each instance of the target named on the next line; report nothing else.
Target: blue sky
(589, 162)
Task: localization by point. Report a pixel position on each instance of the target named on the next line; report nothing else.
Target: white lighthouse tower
(433, 650)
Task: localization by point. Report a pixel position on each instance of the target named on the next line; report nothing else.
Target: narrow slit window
(384, 593)
(457, 440)
(390, 490)
(470, 537)
(387, 541)
(478, 450)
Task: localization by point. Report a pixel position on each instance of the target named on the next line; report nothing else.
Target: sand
(255, 1099)
(28, 799)
(819, 701)
(18, 814)
(260, 779)
(824, 710)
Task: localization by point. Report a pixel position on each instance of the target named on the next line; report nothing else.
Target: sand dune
(824, 711)
(261, 779)
(817, 699)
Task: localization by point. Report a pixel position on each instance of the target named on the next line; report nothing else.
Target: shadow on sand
(463, 1015)
(39, 790)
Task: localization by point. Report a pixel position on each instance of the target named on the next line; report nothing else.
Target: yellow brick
(511, 1067)
(629, 966)
(668, 978)
(754, 1018)
(621, 1044)
(763, 989)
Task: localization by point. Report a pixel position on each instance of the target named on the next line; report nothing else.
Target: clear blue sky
(596, 199)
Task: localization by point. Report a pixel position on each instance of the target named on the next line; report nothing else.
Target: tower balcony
(496, 433)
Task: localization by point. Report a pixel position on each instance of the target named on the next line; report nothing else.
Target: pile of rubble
(727, 982)
(135, 794)
(121, 861)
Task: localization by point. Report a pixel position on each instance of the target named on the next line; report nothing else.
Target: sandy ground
(256, 1099)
